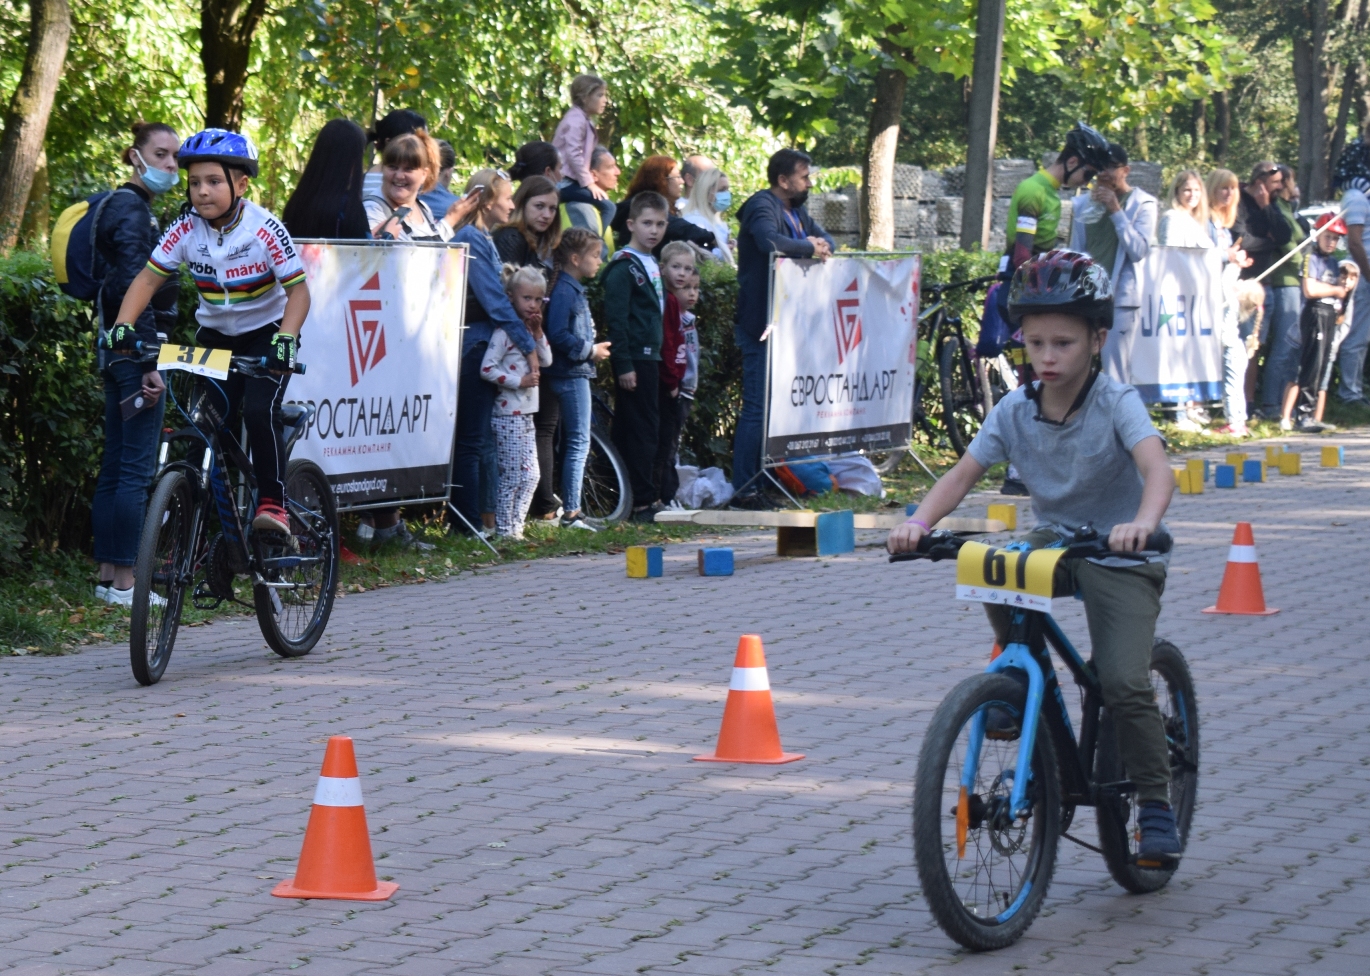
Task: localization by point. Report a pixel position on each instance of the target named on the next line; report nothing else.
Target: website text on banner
(1174, 353)
(383, 344)
(843, 351)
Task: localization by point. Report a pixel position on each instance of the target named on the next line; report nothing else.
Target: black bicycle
(951, 379)
(1001, 773)
(197, 536)
(605, 492)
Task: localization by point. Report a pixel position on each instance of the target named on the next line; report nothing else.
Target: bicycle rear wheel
(605, 492)
(984, 873)
(963, 402)
(164, 571)
(1117, 816)
(303, 565)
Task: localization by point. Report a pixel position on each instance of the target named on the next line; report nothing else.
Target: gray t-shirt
(1077, 473)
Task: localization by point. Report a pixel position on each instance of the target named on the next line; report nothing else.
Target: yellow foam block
(1191, 481)
(1291, 463)
(1273, 452)
(1179, 476)
(1008, 514)
(1237, 458)
(1331, 457)
(1196, 468)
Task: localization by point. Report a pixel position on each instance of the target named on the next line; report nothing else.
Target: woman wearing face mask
(710, 198)
(125, 235)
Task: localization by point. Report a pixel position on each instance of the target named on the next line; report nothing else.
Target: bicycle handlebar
(247, 365)
(953, 285)
(1085, 543)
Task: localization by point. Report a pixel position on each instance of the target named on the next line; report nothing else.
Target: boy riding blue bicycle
(1088, 452)
(253, 296)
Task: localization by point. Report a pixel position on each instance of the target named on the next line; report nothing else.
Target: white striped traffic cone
(749, 733)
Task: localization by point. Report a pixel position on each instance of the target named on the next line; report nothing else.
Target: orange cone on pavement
(749, 733)
(336, 859)
(1241, 591)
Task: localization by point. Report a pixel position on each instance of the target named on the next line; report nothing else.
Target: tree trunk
(1139, 137)
(983, 124)
(877, 184)
(33, 231)
(1310, 83)
(1222, 111)
(1198, 140)
(26, 122)
(226, 29)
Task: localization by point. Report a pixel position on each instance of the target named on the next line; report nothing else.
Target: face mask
(723, 199)
(158, 181)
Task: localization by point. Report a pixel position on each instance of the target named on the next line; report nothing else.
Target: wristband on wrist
(918, 521)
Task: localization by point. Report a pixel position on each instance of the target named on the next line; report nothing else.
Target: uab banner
(383, 348)
(1174, 352)
(842, 354)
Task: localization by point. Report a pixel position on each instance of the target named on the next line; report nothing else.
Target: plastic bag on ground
(708, 488)
(855, 472)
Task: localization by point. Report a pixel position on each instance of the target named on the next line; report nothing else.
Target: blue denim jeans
(116, 514)
(1351, 358)
(752, 419)
(574, 392)
(1283, 306)
(475, 402)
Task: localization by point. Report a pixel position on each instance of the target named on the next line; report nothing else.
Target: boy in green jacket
(634, 299)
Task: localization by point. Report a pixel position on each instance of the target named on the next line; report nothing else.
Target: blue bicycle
(985, 837)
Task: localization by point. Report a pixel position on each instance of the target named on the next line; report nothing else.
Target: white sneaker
(124, 598)
(100, 591)
(1286, 424)
(1187, 424)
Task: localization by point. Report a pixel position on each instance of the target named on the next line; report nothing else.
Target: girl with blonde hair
(1185, 224)
(1241, 299)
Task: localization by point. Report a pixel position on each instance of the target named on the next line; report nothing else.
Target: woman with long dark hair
(327, 201)
(661, 174)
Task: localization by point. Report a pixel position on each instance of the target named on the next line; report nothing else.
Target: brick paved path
(524, 738)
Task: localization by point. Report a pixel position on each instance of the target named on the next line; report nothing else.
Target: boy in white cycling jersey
(253, 296)
(1087, 450)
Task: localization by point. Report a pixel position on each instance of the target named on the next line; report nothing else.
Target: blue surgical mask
(157, 181)
(723, 199)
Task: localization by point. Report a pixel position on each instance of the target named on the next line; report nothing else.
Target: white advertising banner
(843, 350)
(382, 344)
(1174, 353)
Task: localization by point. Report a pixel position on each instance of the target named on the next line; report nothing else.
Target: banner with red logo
(383, 348)
(843, 350)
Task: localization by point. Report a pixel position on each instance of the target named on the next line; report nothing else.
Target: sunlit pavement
(524, 738)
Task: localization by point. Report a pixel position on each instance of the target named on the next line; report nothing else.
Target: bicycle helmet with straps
(219, 146)
(1353, 166)
(1329, 221)
(1088, 145)
(1062, 281)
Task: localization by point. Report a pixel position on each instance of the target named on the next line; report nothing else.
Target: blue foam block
(1225, 476)
(1253, 470)
(835, 533)
(715, 561)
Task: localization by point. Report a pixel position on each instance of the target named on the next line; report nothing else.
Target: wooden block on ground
(889, 520)
(715, 561)
(1008, 514)
(1225, 476)
(1333, 457)
(645, 562)
(794, 518)
(833, 533)
(1253, 470)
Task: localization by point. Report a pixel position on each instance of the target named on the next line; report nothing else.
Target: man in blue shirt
(772, 221)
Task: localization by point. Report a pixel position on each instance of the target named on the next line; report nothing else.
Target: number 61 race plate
(203, 362)
(1016, 579)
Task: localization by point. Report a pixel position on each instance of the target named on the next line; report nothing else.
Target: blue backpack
(995, 331)
(75, 262)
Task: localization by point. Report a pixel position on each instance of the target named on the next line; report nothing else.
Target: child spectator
(634, 301)
(571, 334)
(1325, 288)
(689, 383)
(677, 268)
(576, 140)
(517, 399)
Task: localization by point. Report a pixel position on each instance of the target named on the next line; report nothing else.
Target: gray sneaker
(401, 532)
(574, 520)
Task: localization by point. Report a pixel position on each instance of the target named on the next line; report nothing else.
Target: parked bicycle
(984, 836)
(967, 386)
(197, 536)
(605, 493)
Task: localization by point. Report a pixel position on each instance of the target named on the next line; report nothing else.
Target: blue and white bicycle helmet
(219, 146)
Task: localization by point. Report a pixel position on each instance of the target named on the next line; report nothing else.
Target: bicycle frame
(1030, 632)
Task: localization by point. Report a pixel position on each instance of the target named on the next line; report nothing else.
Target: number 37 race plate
(203, 362)
(1015, 579)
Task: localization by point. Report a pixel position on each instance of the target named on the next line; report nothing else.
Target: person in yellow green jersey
(1034, 214)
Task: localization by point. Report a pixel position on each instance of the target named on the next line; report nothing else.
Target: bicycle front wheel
(984, 872)
(1117, 815)
(605, 493)
(299, 571)
(164, 571)
(963, 406)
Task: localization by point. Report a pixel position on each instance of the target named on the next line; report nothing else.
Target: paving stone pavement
(525, 736)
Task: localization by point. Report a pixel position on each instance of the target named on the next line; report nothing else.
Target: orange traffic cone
(749, 733)
(1241, 590)
(336, 859)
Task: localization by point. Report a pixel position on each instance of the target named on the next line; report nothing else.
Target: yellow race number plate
(1016, 579)
(203, 362)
